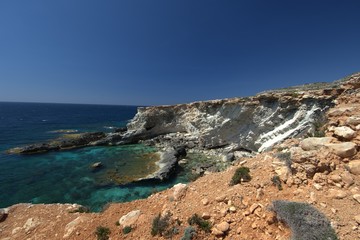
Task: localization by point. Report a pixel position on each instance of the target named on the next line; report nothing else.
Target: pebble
(357, 219)
(357, 197)
(205, 201)
(223, 227)
(232, 209)
(253, 207)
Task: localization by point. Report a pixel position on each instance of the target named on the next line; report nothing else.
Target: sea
(66, 176)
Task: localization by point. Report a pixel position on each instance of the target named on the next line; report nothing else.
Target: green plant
(277, 182)
(102, 233)
(241, 175)
(200, 222)
(127, 230)
(160, 225)
(189, 233)
(305, 221)
(285, 157)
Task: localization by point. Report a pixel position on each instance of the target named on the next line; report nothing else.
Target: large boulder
(344, 149)
(344, 132)
(179, 191)
(314, 143)
(130, 218)
(3, 214)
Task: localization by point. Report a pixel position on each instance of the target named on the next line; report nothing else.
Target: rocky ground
(323, 171)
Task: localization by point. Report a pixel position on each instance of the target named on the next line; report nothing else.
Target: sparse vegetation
(277, 182)
(189, 233)
(127, 230)
(163, 226)
(102, 233)
(117, 223)
(200, 222)
(305, 221)
(241, 175)
(160, 225)
(285, 157)
(318, 128)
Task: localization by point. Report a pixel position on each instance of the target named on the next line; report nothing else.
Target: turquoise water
(66, 176)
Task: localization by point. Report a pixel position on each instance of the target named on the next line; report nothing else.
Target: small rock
(312, 197)
(179, 191)
(130, 218)
(259, 193)
(232, 209)
(71, 226)
(216, 232)
(347, 179)
(317, 186)
(335, 178)
(220, 198)
(254, 225)
(344, 149)
(314, 143)
(357, 197)
(205, 216)
(344, 132)
(205, 201)
(30, 224)
(337, 194)
(333, 210)
(354, 167)
(223, 227)
(223, 212)
(96, 165)
(253, 207)
(357, 219)
(353, 120)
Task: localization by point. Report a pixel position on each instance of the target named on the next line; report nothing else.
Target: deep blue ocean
(65, 176)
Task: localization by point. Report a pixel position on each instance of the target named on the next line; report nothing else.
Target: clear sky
(150, 52)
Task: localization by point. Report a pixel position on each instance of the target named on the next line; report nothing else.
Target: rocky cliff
(251, 124)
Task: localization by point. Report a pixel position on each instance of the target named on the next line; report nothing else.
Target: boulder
(3, 214)
(337, 193)
(344, 133)
(354, 167)
(357, 197)
(130, 218)
(314, 143)
(71, 226)
(344, 149)
(353, 120)
(179, 191)
(223, 227)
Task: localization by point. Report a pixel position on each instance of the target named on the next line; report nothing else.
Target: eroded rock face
(254, 124)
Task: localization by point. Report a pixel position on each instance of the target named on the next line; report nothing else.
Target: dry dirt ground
(245, 206)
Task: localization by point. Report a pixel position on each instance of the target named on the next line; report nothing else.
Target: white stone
(344, 132)
(314, 143)
(179, 191)
(71, 226)
(130, 218)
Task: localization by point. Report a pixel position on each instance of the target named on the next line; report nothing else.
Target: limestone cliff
(254, 123)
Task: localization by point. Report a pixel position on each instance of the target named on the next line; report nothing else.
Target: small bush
(200, 222)
(127, 230)
(305, 221)
(117, 223)
(277, 182)
(241, 175)
(189, 233)
(102, 233)
(160, 225)
(285, 157)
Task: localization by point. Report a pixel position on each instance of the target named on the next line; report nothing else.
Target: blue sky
(151, 52)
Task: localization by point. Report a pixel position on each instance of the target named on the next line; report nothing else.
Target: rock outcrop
(253, 124)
